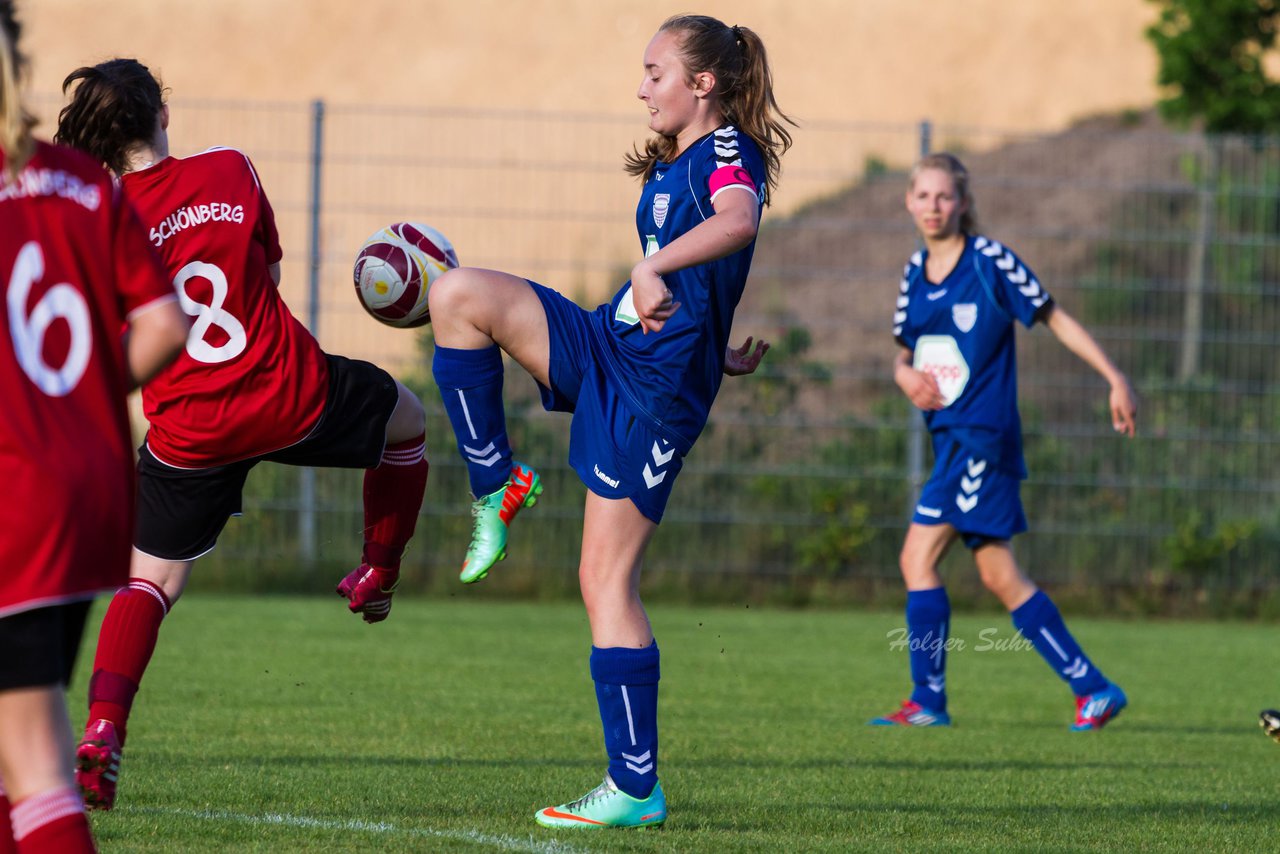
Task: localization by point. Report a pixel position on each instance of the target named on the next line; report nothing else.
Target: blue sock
(627, 693)
(1039, 622)
(470, 384)
(928, 626)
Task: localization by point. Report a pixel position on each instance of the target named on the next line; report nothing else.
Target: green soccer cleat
(493, 514)
(608, 806)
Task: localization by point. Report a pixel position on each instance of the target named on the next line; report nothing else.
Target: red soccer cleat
(98, 765)
(369, 591)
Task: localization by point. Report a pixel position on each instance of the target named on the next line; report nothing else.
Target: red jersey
(252, 378)
(74, 264)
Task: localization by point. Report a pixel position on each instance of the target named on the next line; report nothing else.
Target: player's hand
(653, 299)
(920, 388)
(744, 360)
(1124, 411)
(369, 591)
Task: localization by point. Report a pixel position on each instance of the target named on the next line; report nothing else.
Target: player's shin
(928, 628)
(126, 643)
(392, 499)
(627, 694)
(1040, 622)
(470, 384)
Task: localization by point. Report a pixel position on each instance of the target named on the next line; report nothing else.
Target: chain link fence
(1166, 245)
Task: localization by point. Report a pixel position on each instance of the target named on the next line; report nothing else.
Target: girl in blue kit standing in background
(638, 373)
(957, 304)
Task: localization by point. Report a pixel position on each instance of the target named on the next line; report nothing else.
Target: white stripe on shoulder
(1011, 267)
(725, 141)
(904, 291)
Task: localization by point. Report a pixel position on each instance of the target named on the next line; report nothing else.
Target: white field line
(503, 842)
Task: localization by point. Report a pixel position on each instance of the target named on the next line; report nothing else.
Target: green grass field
(285, 724)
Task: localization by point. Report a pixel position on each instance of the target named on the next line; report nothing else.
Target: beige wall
(1003, 64)
(1026, 64)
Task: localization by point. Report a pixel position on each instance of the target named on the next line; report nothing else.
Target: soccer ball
(394, 269)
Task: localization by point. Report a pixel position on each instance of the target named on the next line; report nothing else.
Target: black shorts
(40, 645)
(181, 512)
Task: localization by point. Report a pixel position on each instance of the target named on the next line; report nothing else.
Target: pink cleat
(369, 590)
(98, 765)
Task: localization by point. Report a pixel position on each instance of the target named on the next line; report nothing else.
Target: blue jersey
(960, 330)
(670, 378)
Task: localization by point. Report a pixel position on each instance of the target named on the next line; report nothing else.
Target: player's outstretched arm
(1076, 338)
(743, 360)
(920, 388)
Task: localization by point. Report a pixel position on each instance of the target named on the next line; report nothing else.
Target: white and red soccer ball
(395, 268)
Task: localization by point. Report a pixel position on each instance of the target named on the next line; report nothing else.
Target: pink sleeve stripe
(730, 176)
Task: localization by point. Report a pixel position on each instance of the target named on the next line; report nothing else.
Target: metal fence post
(915, 426)
(307, 481)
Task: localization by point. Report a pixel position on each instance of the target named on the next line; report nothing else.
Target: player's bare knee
(409, 420)
(447, 292)
(917, 565)
(1008, 586)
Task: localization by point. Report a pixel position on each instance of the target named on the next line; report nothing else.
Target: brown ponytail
(112, 112)
(737, 58)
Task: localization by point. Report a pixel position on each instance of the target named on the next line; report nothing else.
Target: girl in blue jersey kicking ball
(639, 373)
(957, 304)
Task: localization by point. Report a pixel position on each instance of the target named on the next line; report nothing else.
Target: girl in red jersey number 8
(253, 385)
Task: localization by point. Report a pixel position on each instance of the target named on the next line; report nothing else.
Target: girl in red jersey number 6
(252, 385)
(75, 269)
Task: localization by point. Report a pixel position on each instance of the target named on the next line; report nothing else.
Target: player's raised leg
(393, 493)
(625, 669)
(476, 315)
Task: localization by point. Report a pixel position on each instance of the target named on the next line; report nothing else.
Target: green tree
(1211, 63)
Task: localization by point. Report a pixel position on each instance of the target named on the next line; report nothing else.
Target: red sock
(125, 644)
(7, 845)
(392, 499)
(52, 822)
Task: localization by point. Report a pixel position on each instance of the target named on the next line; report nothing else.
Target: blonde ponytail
(15, 121)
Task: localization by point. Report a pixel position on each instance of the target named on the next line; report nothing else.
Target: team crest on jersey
(965, 315)
(661, 204)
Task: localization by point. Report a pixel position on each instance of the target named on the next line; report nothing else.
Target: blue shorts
(971, 495)
(615, 453)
